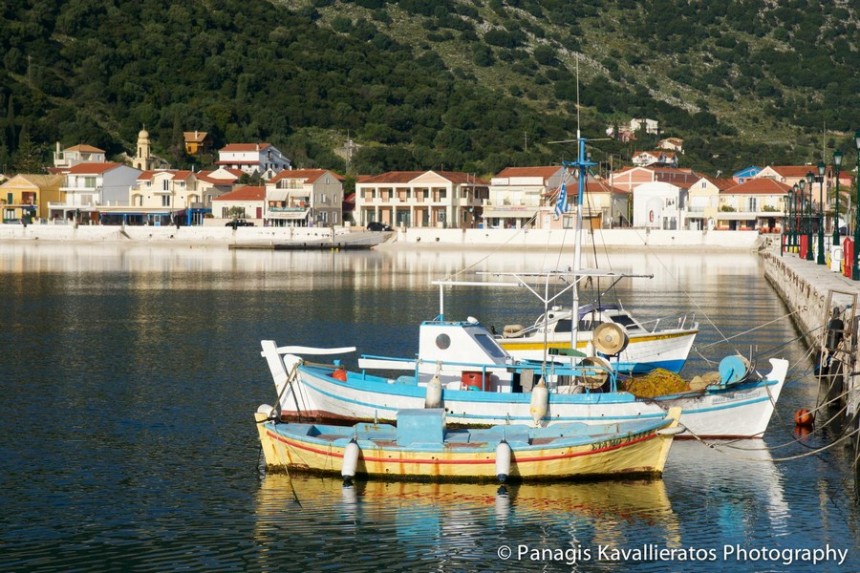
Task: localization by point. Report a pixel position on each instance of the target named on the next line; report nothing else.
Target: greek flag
(561, 203)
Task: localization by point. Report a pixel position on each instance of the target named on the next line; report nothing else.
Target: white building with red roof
(518, 195)
(66, 158)
(304, 198)
(246, 202)
(88, 186)
(263, 159)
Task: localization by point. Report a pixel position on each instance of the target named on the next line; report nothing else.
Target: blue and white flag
(561, 203)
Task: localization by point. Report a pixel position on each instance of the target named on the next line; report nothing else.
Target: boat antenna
(578, 132)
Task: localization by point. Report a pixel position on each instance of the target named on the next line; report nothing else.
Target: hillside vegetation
(432, 84)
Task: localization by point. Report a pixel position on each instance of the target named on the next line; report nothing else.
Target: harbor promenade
(812, 292)
(405, 237)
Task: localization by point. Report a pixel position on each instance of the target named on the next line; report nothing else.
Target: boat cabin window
(490, 345)
(625, 321)
(443, 341)
(563, 325)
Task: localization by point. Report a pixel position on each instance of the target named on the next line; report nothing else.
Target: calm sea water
(130, 376)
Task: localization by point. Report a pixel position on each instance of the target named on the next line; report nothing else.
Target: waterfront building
(659, 205)
(88, 186)
(703, 205)
(26, 196)
(304, 198)
(440, 199)
(246, 203)
(523, 196)
(756, 204)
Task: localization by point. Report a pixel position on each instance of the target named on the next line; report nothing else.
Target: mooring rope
(718, 447)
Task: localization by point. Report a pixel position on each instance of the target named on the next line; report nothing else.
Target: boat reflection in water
(735, 486)
(462, 525)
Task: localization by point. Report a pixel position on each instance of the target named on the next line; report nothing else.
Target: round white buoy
(539, 402)
(350, 461)
(433, 398)
(503, 461)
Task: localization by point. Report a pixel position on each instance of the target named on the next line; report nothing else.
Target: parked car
(239, 223)
(377, 226)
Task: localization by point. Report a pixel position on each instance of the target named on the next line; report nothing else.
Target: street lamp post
(810, 178)
(821, 169)
(795, 230)
(786, 217)
(837, 163)
(855, 272)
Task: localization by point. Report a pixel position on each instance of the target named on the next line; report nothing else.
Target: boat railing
(554, 368)
(683, 322)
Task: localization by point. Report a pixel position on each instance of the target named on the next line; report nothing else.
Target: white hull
(740, 412)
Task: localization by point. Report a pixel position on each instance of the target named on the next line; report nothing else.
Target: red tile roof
(544, 171)
(83, 147)
(755, 186)
(244, 147)
(246, 193)
(93, 168)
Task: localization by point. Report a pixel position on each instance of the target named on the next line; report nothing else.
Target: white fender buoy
(503, 461)
(433, 398)
(350, 461)
(539, 402)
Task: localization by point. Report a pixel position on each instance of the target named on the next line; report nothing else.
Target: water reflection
(462, 523)
(114, 356)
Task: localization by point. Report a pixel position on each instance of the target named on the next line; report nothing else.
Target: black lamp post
(855, 272)
(786, 222)
(810, 178)
(799, 214)
(837, 163)
(788, 225)
(796, 226)
(821, 168)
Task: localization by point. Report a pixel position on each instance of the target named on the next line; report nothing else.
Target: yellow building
(28, 194)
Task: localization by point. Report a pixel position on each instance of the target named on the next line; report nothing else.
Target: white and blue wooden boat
(462, 369)
(421, 447)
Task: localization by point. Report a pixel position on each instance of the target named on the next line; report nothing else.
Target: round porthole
(443, 341)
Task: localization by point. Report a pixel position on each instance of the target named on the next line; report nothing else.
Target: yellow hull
(636, 454)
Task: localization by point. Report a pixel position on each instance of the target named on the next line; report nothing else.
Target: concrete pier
(811, 292)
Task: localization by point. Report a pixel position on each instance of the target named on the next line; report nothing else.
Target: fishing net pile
(660, 382)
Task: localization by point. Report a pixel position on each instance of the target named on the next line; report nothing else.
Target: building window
(165, 185)
(165, 200)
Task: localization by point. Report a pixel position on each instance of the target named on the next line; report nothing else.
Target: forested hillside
(431, 84)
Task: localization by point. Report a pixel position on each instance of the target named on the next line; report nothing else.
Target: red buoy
(803, 417)
(339, 374)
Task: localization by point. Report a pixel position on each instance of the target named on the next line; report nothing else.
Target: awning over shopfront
(289, 215)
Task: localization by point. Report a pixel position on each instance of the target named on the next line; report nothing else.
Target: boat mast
(581, 164)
